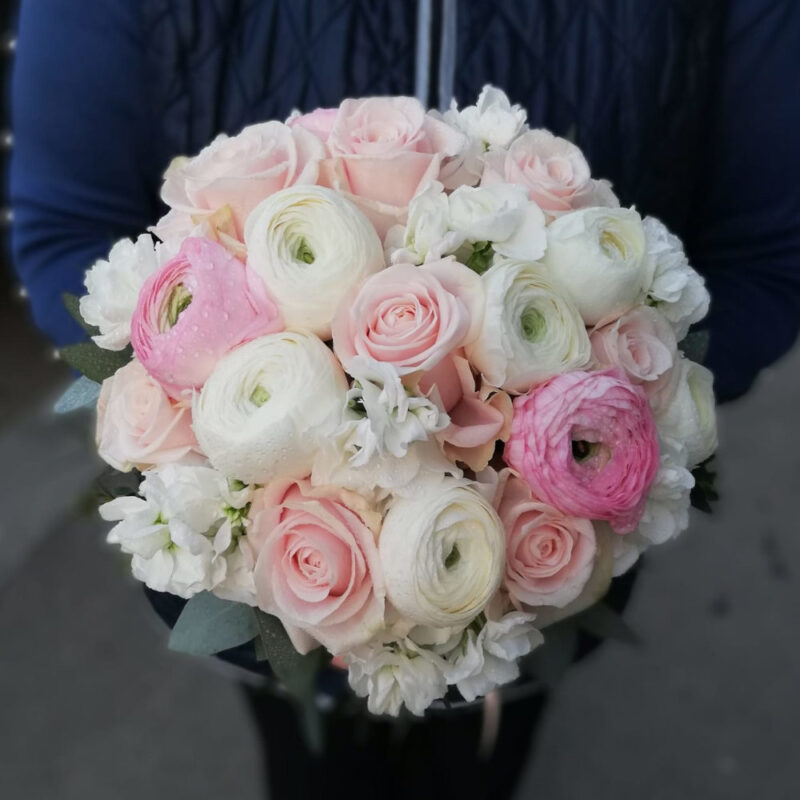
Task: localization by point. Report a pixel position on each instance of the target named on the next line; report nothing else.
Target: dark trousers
(376, 759)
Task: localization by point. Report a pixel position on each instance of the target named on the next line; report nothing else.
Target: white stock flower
(382, 474)
(443, 553)
(396, 674)
(312, 247)
(426, 236)
(113, 286)
(500, 214)
(493, 121)
(530, 331)
(690, 419)
(598, 257)
(267, 406)
(183, 531)
(677, 290)
(666, 512)
(485, 655)
(391, 417)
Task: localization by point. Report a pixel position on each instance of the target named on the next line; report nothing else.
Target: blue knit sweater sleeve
(83, 173)
(746, 229)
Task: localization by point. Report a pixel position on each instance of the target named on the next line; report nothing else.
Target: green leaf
(209, 625)
(704, 491)
(73, 305)
(83, 393)
(296, 671)
(604, 622)
(94, 362)
(695, 345)
(481, 258)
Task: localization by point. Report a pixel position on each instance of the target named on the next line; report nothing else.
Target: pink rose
(384, 151)
(316, 563)
(139, 426)
(641, 343)
(549, 556)
(587, 444)
(319, 122)
(193, 310)
(239, 171)
(553, 170)
(408, 316)
(480, 416)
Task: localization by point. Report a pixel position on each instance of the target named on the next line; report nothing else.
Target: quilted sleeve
(745, 234)
(83, 171)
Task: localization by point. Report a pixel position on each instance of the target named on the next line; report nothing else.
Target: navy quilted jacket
(691, 108)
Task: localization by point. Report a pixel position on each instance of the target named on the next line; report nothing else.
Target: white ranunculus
(530, 331)
(183, 531)
(690, 418)
(426, 236)
(396, 674)
(443, 553)
(677, 290)
(501, 214)
(598, 257)
(113, 286)
(312, 247)
(388, 416)
(267, 406)
(485, 655)
(493, 121)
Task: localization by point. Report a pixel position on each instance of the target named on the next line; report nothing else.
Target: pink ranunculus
(319, 122)
(549, 555)
(553, 170)
(196, 308)
(586, 443)
(642, 343)
(240, 171)
(316, 563)
(139, 426)
(408, 316)
(384, 151)
(480, 416)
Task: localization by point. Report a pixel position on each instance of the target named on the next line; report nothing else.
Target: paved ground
(92, 705)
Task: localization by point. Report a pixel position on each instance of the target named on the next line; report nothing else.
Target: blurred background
(93, 705)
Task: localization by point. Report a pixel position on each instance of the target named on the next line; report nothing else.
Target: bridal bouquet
(396, 388)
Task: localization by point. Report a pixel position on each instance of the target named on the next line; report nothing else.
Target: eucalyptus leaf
(695, 345)
(83, 393)
(94, 362)
(296, 671)
(209, 625)
(73, 305)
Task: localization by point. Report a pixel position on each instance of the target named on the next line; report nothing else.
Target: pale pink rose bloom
(553, 170)
(139, 426)
(316, 563)
(384, 151)
(643, 344)
(319, 122)
(195, 309)
(408, 316)
(587, 444)
(549, 555)
(480, 415)
(239, 172)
